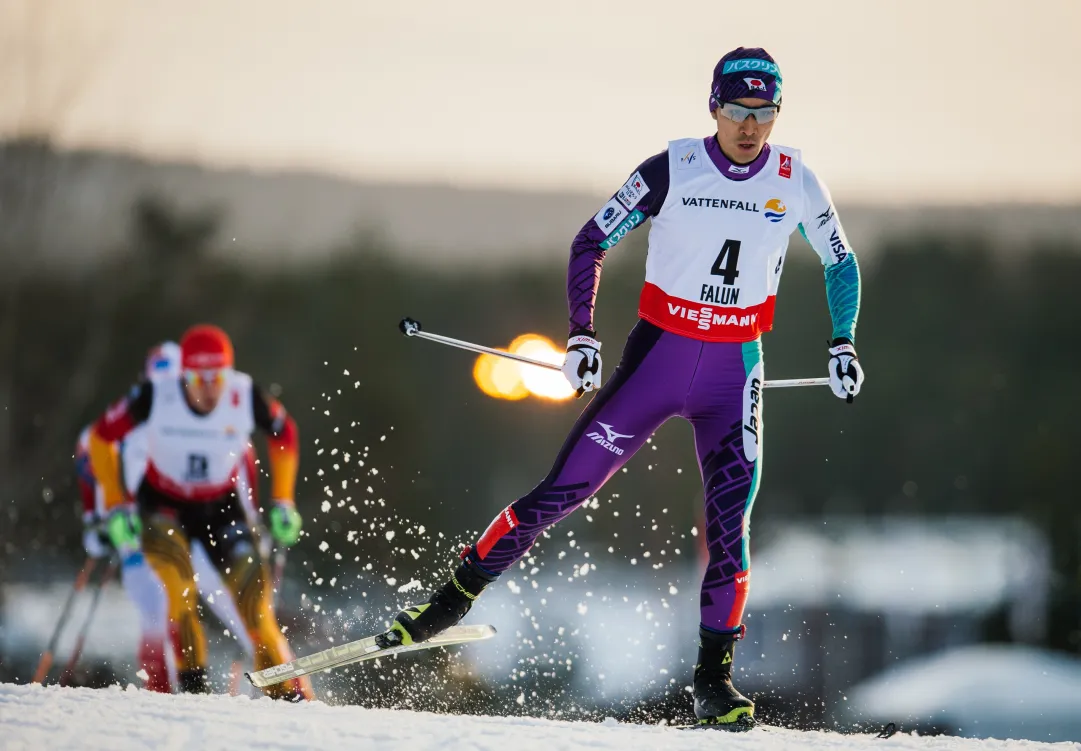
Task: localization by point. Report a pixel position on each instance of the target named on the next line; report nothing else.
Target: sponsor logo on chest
(190, 433)
(785, 167)
(730, 204)
(706, 317)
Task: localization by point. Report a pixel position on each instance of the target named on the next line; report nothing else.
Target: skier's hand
(582, 366)
(95, 541)
(124, 530)
(285, 523)
(846, 375)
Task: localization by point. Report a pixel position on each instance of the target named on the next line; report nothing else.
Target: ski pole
(411, 327)
(46, 661)
(278, 575)
(77, 652)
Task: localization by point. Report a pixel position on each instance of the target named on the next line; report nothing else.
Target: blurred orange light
(506, 379)
(498, 377)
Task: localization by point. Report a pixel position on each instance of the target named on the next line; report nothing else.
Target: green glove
(124, 530)
(285, 523)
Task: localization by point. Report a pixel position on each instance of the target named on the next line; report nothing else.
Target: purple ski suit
(714, 385)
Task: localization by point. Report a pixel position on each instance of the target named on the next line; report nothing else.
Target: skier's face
(742, 142)
(204, 388)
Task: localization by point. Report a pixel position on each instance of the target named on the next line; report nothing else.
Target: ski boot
(193, 681)
(717, 703)
(444, 608)
(294, 690)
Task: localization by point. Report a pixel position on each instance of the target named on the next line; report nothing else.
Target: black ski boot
(717, 703)
(193, 681)
(444, 608)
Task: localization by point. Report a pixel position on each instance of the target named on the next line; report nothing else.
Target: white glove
(846, 375)
(582, 366)
(95, 546)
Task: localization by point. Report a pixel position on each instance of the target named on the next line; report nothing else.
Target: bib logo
(689, 160)
(775, 210)
(752, 413)
(785, 170)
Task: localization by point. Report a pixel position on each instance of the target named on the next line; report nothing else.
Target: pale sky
(913, 100)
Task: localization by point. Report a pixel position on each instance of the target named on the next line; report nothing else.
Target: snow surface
(36, 717)
(987, 689)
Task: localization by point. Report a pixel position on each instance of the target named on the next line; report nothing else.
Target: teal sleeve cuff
(843, 296)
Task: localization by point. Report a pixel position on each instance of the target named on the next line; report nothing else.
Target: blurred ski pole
(412, 328)
(278, 574)
(77, 651)
(46, 661)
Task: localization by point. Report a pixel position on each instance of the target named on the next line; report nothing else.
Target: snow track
(33, 717)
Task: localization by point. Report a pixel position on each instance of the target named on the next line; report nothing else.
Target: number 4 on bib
(727, 260)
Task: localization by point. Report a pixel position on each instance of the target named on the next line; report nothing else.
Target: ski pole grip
(409, 326)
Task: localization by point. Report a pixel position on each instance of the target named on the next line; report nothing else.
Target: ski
(361, 650)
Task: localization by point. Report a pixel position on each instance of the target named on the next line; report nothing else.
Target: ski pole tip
(409, 326)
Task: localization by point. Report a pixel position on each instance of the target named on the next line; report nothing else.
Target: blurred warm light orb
(506, 379)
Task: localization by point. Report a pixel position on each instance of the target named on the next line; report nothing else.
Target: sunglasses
(739, 113)
(214, 377)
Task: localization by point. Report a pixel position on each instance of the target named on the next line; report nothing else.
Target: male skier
(199, 427)
(721, 209)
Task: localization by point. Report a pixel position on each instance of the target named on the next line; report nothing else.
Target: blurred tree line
(969, 405)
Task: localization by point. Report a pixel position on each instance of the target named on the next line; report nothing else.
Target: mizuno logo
(825, 216)
(609, 442)
(612, 434)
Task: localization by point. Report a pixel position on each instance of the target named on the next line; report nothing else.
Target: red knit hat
(205, 347)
